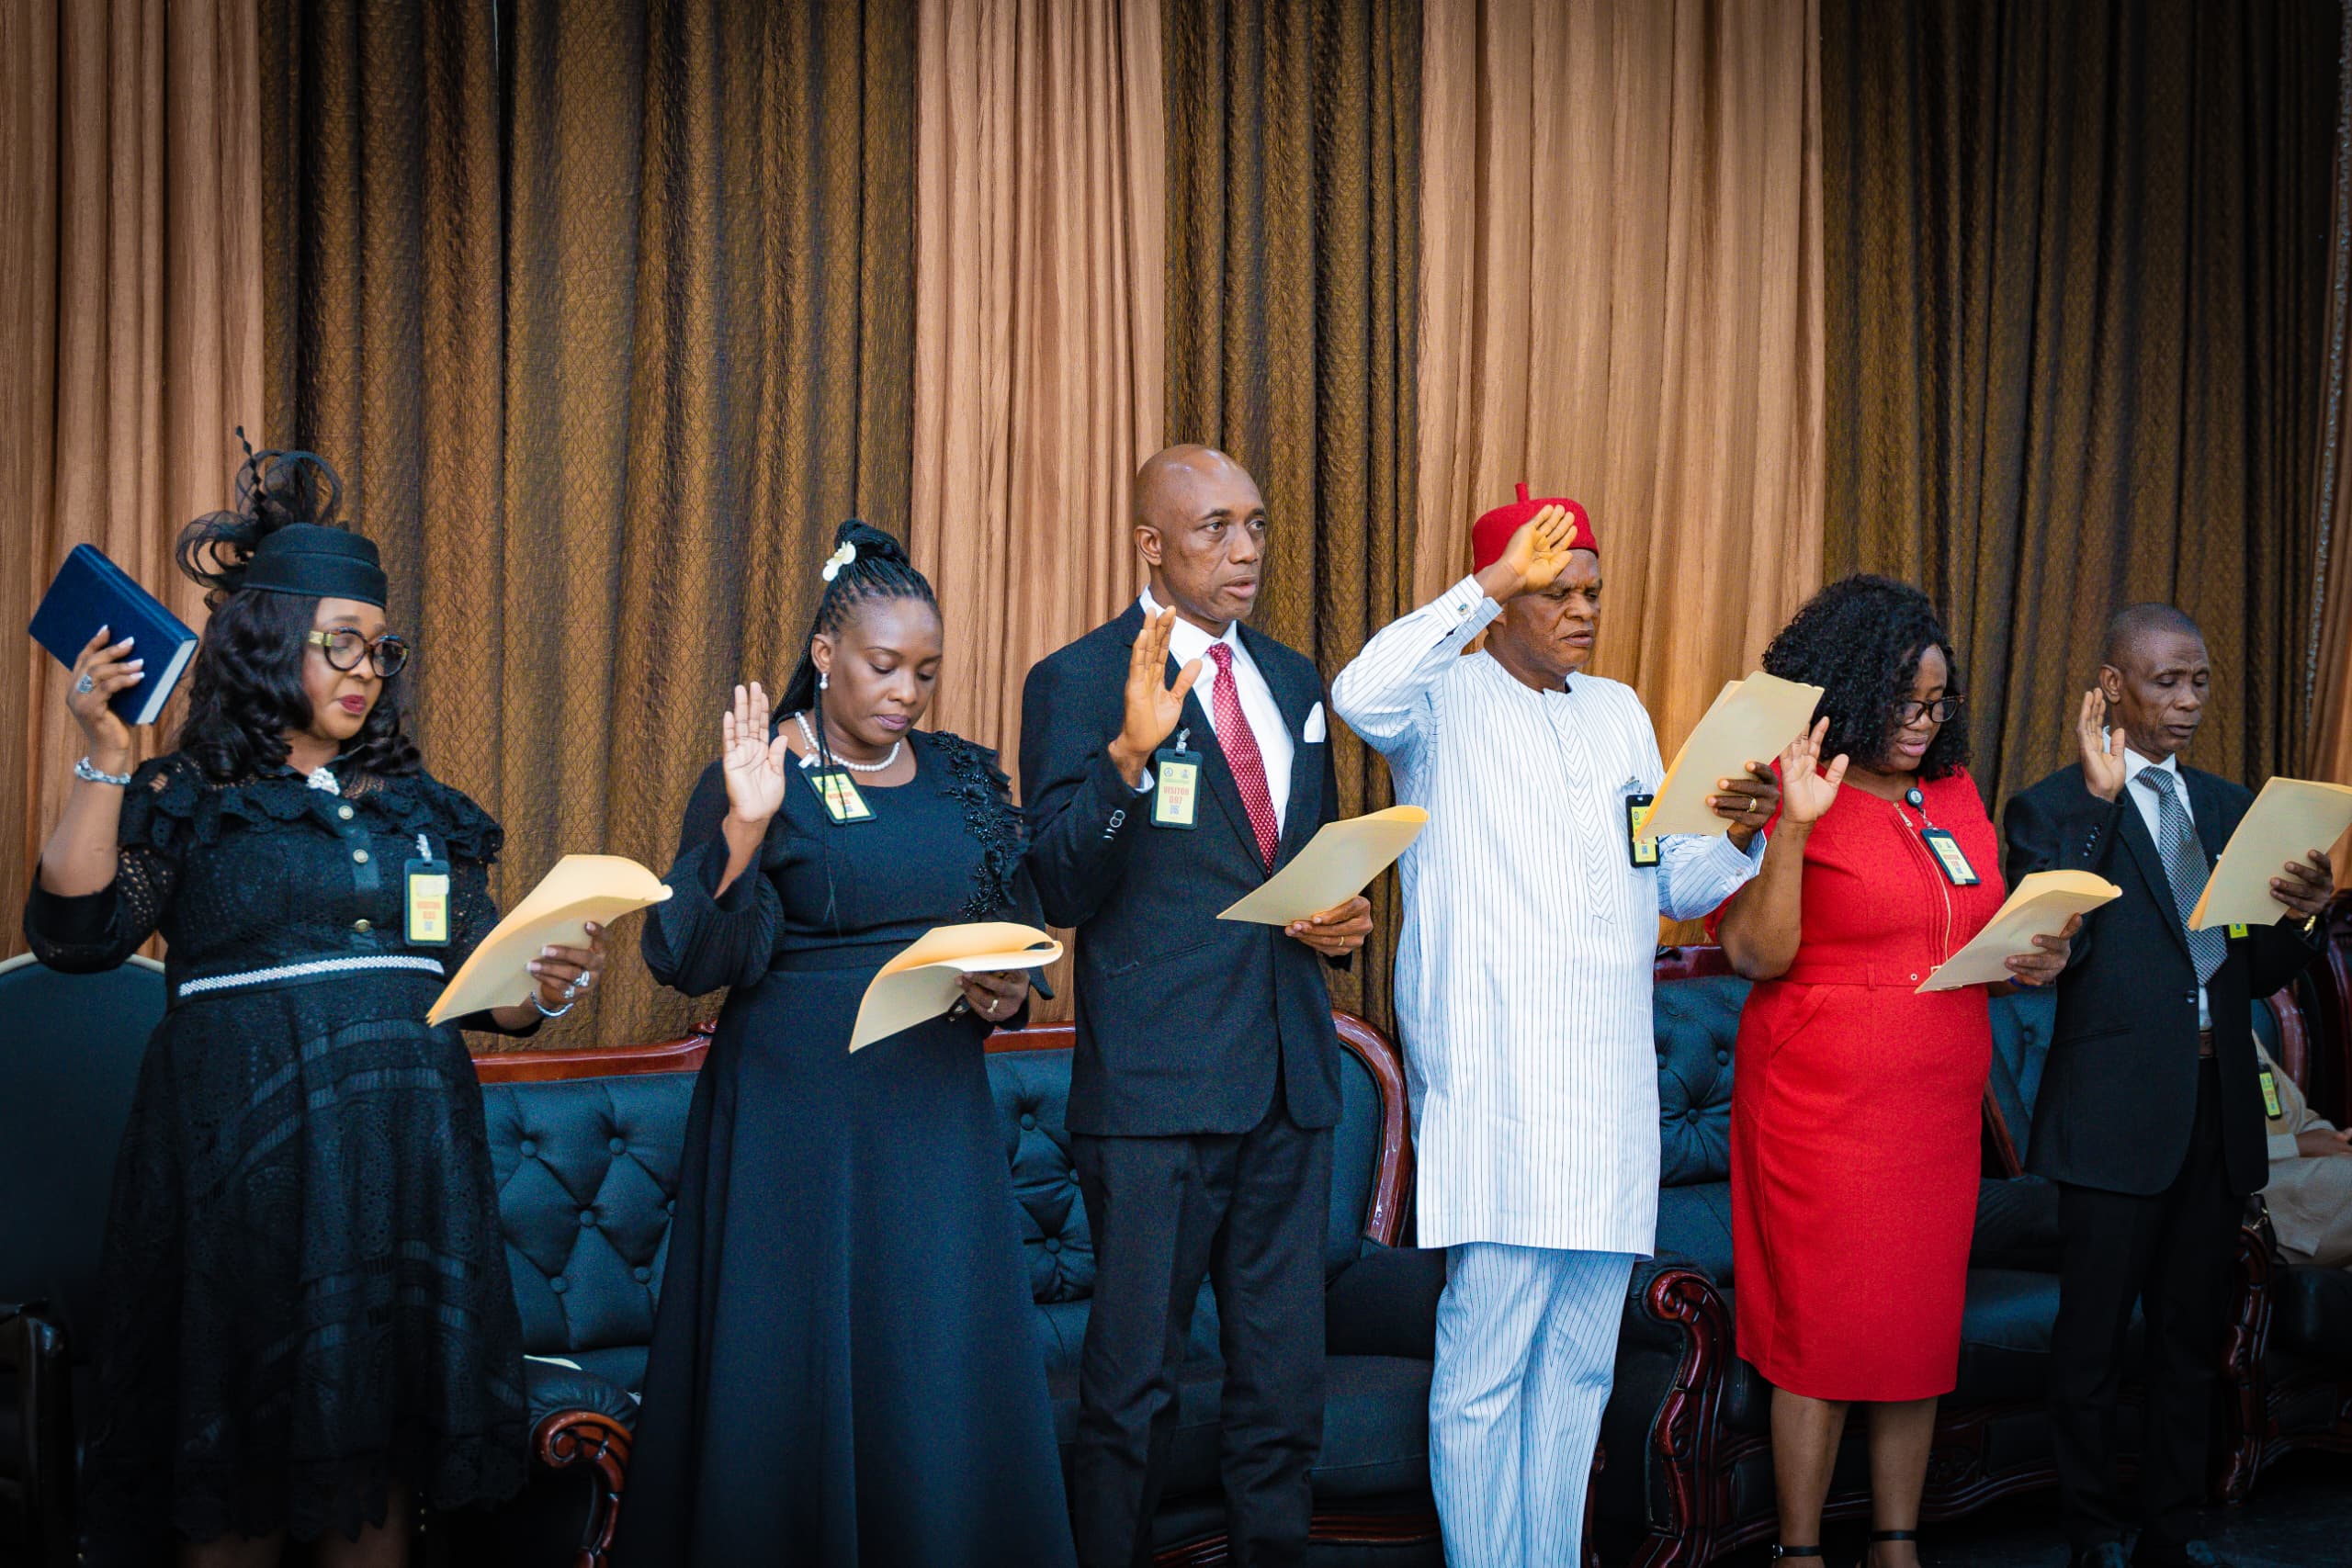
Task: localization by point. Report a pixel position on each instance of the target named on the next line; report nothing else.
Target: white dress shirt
(2143, 796)
(1522, 980)
(1276, 746)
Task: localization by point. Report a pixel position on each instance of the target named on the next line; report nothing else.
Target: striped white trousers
(1526, 1349)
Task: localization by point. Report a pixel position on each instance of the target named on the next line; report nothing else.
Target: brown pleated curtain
(1039, 349)
(1294, 140)
(1622, 303)
(2079, 263)
(129, 237)
(610, 319)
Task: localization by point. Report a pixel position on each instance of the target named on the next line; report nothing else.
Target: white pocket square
(1315, 725)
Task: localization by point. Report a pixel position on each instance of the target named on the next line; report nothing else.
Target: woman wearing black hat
(845, 1370)
(305, 1318)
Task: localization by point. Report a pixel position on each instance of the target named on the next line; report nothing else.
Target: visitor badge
(2270, 1096)
(1176, 784)
(1948, 854)
(839, 792)
(427, 882)
(1641, 850)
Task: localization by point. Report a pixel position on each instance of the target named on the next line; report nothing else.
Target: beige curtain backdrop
(1039, 338)
(1622, 303)
(130, 324)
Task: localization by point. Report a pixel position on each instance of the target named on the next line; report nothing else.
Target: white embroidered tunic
(1523, 969)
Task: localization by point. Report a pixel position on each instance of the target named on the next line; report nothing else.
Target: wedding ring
(586, 979)
(84, 686)
(571, 990)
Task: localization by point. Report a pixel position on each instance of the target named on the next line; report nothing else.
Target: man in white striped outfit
(1523, 991)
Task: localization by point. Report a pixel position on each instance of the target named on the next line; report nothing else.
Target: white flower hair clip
(840, 558)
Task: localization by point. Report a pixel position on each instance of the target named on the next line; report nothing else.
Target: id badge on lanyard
(1176, 784)
(426, 883)
(840, 794)
(1951, 857)
(1640, 849)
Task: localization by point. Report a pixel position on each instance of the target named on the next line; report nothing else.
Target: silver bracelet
(547, 1012)
(90, 773)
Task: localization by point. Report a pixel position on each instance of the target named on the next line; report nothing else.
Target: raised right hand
(1153, 706)
(1806, 791)
(1533, 560)
(756, 765)
(108, 667)
(2102, 752)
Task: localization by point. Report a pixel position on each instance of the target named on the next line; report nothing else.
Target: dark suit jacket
(1181, 1017)
(2118, 1096)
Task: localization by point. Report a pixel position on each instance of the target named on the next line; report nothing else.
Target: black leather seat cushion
(2313, 1318)
(2017, 1224)
(1375, 1427)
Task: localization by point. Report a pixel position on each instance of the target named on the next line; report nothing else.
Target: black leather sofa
(586, 1146)
(69, 1058)
(2302, 1394)
(1687, 1426)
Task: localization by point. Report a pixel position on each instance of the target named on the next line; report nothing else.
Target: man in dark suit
(1206, 1083)
(2150, 1117)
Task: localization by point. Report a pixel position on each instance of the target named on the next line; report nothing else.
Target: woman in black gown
(844, 1369)
(305, 1318)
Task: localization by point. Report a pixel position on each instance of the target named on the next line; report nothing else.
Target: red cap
(1493, 531)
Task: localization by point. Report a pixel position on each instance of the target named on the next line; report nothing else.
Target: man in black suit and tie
(2150, 1117)
(1206, 1083)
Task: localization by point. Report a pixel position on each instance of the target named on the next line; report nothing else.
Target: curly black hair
(1859, 639)
(245, 687)
(245, 692)
(880, 572)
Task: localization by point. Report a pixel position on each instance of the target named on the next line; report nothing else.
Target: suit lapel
(2151, 860)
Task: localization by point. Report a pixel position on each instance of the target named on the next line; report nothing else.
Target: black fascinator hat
(283, 536)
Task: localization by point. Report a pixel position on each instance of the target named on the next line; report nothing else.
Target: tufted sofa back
(587, 1172)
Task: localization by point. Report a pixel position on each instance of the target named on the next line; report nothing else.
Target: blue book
(91, 592)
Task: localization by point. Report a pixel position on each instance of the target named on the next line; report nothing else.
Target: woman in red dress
(1855, 1131)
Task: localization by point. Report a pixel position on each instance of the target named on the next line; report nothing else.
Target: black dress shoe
(2190, 1554)
(2108, 1555)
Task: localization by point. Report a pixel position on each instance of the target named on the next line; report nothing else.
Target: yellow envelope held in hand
(2041, 905)
(1751, 721)
(579, 888)
(1337, 863)
(2289, 820)
(920, 983)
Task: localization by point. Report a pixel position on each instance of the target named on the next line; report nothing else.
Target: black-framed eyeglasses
(1944, 710)
(346, 647)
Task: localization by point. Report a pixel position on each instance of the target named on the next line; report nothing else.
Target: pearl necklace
(810, 736)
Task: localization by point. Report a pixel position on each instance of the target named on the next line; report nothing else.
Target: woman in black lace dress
(305, 1318)
(845, 1369)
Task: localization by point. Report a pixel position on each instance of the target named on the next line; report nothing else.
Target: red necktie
(1240, 744)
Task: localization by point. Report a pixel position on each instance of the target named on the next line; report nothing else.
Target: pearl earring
(822, 679)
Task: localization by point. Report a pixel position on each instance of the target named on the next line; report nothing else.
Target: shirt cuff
(1467, 609)
(2282, 1147)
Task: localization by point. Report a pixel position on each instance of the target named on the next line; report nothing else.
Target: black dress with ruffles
(304, 1295)
(845, 1370)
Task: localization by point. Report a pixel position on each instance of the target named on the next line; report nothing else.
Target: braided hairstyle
(878, 571)
(1860, 640)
